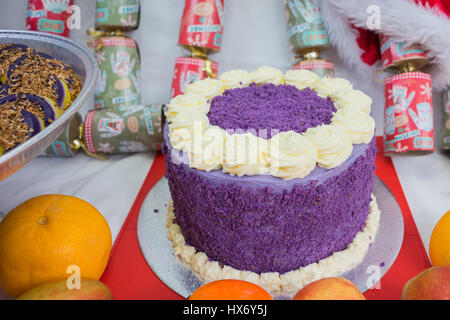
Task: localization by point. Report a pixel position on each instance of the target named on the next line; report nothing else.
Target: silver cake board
(158, 251)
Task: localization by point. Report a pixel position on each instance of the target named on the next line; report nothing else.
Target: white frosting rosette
(301, 78)
(186, 127)
(291, 155)
(266, 74)
(207, 151)
(186, 103)
(235, 79)
(333, 145)
(209, 88)
(353, 99)
(245, 154)
(288, 155)
(357, 124)
(331, 86)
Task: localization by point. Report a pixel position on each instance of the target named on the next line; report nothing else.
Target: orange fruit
(336, 288)
(440, 242)
(44, 236)
(230, 290)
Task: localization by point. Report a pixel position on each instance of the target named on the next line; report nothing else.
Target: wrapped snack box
(395, 54)
(408, 113)
(123, 129)
(321, 67)
(200, 34)
(119, 61)
(305, 26)
(307, 36)
(48, 16)
(188, 70)
(117, 15)
(202, 25)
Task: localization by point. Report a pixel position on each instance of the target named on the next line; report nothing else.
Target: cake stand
(158, 252)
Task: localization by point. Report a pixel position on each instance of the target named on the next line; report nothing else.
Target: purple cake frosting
(262, 223)
(269, 106)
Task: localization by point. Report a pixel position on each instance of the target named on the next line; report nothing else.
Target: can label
(188, 70)
(322, 68)
(113, 15)
(48, 16)
(445, 128)
(202, 24)
(118, 82)
(305, 25)
(408, 121)
(394, 53)
(62, 145)
(124, 129)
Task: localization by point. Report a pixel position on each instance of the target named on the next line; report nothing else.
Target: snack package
(188, 70)
(123, 129)
(48, 16)
(408, 125)
(119, 63)
(117, 15)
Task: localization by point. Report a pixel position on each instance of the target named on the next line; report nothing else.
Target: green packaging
(114, 15)
(119, 61)
(305, 25)
(123, 129)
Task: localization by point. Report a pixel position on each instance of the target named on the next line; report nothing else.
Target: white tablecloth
(255, 34)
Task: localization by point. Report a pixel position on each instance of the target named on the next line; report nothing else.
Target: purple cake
(261, 222)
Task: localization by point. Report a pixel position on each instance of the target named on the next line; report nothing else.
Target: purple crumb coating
(263, 226)
(269, 106)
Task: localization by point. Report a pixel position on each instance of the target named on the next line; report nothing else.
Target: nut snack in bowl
(35, 90)
(45, 101)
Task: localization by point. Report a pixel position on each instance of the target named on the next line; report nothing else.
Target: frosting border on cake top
(286, 284)
(287, 155)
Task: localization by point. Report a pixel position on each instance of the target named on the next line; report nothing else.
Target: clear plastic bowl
(84, 65)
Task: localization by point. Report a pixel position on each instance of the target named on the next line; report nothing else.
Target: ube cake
(271, 177)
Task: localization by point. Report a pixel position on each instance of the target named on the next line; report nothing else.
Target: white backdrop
(254, 35)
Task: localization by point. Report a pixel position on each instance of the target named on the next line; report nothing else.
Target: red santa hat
(420, 21)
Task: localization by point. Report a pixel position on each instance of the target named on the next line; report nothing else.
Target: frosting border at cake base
(287, 283)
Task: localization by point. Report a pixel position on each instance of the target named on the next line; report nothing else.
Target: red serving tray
(129, 276)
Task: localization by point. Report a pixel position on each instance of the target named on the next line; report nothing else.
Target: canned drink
(395, 54)
(305, 25)
(123, 129)
(48, 16)
(321, 67)
(188, 70)
(408, 113)
(114, 15)
(202, 24)
(119, 61)
(445, 128)
(63, 145)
